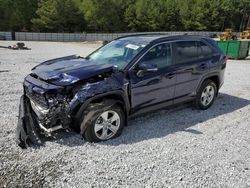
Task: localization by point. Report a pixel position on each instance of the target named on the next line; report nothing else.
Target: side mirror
(146, 67)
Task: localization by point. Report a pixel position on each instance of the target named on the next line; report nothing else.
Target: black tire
(92, 113)
(198, 101)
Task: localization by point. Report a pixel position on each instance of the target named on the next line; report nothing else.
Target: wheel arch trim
(106, 96)
(207, 77)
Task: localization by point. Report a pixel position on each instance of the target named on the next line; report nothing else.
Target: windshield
(118, 53)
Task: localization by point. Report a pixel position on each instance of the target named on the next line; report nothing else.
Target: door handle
(170, 75)
(152, 82)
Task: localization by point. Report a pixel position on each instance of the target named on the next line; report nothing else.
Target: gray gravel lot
(181, 147)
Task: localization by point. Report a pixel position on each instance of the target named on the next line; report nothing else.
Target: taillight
(225, 58)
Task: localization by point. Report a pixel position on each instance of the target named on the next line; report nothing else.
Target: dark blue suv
(129, 76)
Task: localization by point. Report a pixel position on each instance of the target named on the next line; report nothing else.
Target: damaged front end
(51, 105)
(42, 111)
(26, 132)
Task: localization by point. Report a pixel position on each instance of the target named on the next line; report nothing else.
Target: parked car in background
(129, 76)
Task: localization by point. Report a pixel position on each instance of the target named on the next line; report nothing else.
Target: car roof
(148, 38)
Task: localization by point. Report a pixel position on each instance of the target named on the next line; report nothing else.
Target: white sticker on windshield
(132, 46)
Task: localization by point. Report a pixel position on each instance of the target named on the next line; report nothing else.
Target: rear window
(204, 50)
(213, 44)
(185, 51)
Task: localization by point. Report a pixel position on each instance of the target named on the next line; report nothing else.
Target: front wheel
(104, 124)
(206, 95)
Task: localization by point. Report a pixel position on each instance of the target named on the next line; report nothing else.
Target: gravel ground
(181, 147)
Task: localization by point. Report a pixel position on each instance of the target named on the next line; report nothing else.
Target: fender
(95, 112)
(121, 94)
(217, 74)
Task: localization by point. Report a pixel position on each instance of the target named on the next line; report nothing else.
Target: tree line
(123, 15)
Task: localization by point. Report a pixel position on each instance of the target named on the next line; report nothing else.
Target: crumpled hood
(68, 70)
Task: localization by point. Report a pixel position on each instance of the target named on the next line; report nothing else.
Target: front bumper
(35, 116)
(27, 133)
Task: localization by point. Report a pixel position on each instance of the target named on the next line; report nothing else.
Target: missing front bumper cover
(30, 131)
(26, 132)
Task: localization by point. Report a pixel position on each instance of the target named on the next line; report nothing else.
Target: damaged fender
(115, 85)
(116, 82)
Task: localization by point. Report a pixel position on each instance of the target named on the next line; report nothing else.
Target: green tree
(218, 14)
(105, 15)
(213, 15)
(123, 15)
(169, 16)
(241, 13)
(121, 6)
(58, 16)
(153, 15)
(192, 14)
(143, 15)
(16, 14)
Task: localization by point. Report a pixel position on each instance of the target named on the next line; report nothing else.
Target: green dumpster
(235, 49)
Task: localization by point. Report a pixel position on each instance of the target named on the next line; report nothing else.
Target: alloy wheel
(207, 95)
(107, 125)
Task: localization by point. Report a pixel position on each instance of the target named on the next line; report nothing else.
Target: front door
(152, 88)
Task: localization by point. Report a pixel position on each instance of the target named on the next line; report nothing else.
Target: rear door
(213, 56)
(153, 88)
(190, 65)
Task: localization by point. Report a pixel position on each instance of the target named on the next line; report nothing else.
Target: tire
(97, 123)
(206, 95)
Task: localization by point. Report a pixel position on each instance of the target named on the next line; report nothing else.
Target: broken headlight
(39, 110)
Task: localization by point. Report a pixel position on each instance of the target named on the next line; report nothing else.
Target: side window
(185, 51)
(205, 49)
(159, 55)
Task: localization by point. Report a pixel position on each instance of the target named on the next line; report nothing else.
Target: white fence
(112, 36)
(66, 37)
(7, 35)
(77, 37)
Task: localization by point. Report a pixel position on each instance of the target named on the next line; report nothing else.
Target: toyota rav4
(129, 76)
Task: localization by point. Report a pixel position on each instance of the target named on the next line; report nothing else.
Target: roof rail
(142, 34)
(165, 36)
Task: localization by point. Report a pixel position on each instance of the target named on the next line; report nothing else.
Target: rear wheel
(103, 123)
(206, 95)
